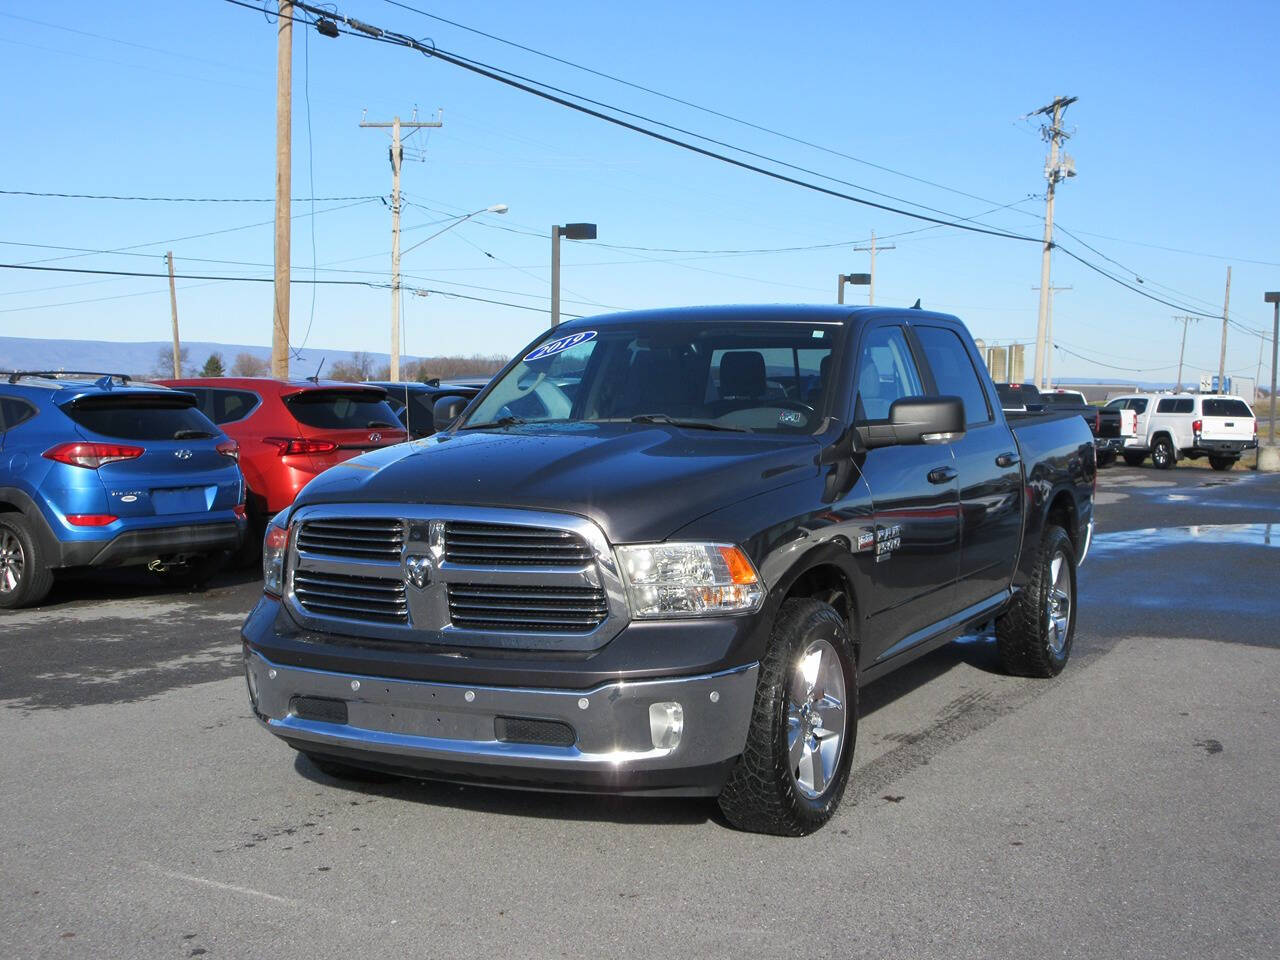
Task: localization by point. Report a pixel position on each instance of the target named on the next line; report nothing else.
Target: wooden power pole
(397, 158)
(173, 312)
(1054, 170)
(284, 189)
(1183, 349)
(873, 249)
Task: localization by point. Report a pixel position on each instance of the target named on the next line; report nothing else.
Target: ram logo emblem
(418, 571)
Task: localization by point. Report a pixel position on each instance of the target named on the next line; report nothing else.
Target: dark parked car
(413, 402)
(675, 580)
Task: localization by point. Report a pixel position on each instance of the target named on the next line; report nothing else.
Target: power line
(104, 196)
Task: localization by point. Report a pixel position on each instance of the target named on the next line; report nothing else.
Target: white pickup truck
(1173, 426)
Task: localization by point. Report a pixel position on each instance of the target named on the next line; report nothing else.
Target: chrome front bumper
(452, 730)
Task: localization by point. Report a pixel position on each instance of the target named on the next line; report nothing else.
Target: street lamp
(857, 279)
(573, 231)
(496, 208)
(1273, 297)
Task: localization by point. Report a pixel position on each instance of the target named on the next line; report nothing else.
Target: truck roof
(774, 312)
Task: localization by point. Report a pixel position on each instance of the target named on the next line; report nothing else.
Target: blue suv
(97, 471)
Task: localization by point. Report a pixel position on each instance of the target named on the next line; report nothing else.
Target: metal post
(173, 312)
(1275, 335)
(840, 290)
(284, 189)
(555, 276)
(1222, 356)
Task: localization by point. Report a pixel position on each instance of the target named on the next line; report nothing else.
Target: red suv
(291, 430)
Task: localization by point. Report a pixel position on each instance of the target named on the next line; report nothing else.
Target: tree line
(354, 368)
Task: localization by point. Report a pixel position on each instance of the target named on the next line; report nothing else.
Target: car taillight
(1097, 421)
(286, 446)
(90, 519)
(230, 449)
(1196, 425)
(91, 456)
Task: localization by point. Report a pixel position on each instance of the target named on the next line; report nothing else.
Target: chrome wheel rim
(12, 562)
(1160, 455)
(1058, 603)
(816, 709)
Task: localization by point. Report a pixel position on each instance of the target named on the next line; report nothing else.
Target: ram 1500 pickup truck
(660, 553)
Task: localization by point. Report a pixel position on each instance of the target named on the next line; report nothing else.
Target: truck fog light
(666, 723)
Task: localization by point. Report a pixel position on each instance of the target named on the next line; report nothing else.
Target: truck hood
(638, 483)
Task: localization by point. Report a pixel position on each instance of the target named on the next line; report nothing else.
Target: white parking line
(218, 885)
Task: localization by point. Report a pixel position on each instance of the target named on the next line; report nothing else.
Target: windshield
(769, 377)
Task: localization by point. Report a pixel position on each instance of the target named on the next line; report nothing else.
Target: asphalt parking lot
(1126, 809)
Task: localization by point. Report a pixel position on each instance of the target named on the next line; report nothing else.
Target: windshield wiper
(500, 422)
(192, 435)
(691, 424)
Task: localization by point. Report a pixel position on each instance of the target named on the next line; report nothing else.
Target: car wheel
(1034, 635)
(1134, 459)
(24, 578)
(342, 771)
(794, 768)
(1222, 463)
(1162, 454)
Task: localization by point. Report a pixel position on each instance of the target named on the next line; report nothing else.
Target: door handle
(942, 474)
(1007, 459)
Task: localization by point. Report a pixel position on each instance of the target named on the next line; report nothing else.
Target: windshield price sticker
(559, 345)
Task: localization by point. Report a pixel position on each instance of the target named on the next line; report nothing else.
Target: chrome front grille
(501, 544)
(379, 599)
(485, 606)
(454, 575)
(365, 538)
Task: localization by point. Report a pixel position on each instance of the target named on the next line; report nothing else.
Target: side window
(1138, 404)
(1184, 405)
(14, 412)
(954, 372)
(1167, 406)
(228, 406)
(886, 372)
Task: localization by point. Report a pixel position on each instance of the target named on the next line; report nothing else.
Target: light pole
(857, 279)
(572, 231)
(496, 208)
(1273, 297)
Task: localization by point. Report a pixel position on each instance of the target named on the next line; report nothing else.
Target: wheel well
(6, 507)
(1062, 513)
(828, 583)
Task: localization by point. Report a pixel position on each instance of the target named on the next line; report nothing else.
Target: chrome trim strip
(429, 619)
(392, 716)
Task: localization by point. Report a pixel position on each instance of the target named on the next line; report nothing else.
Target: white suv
(1177, 425)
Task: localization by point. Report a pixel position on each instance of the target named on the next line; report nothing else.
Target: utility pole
(1048, 335)
(1183, 349)
(1222, 356)
(871, 284)
(173, 312)
(284, 189)
(1054, 170)
(397, 158)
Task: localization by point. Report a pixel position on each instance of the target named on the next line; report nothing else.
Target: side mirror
(446, 410)
(915, 420)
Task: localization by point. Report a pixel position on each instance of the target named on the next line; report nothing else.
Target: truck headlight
(275, 547)
(689, 580)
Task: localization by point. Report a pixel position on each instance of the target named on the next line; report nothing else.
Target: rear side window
(1139, 404)
(886, 372)
(141, 418)
(341, 410)
(1175, 405)
(227, 406)
(14, 412)
(1220, 407)
(953, 370)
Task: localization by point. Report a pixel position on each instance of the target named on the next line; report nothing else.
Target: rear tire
(25, 580)
(1163, 456)
(794, 768)
(1222, 463)
(1034, 635)
(1134, 459)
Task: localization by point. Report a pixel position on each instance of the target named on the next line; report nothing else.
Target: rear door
(915, 502)
(1226, 418)
(353, 420)
(990, 476)
(173, 465)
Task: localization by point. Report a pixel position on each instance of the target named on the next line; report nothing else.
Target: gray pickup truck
(660, 553)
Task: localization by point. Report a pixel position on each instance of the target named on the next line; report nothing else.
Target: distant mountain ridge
(30, 353)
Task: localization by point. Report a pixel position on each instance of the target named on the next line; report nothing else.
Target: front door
(915, 500)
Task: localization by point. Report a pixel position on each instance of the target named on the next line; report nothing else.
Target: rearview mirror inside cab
(446, 410)
(915, 420)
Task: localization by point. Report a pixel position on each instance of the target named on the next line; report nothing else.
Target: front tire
(1163, 456)
(1222, 463)
(1034, 635)
(25, 580)
(794, 768)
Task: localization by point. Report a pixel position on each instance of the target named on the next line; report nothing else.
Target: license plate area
(182, 500)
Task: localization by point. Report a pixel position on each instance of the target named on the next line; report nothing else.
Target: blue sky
(1175, 145)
